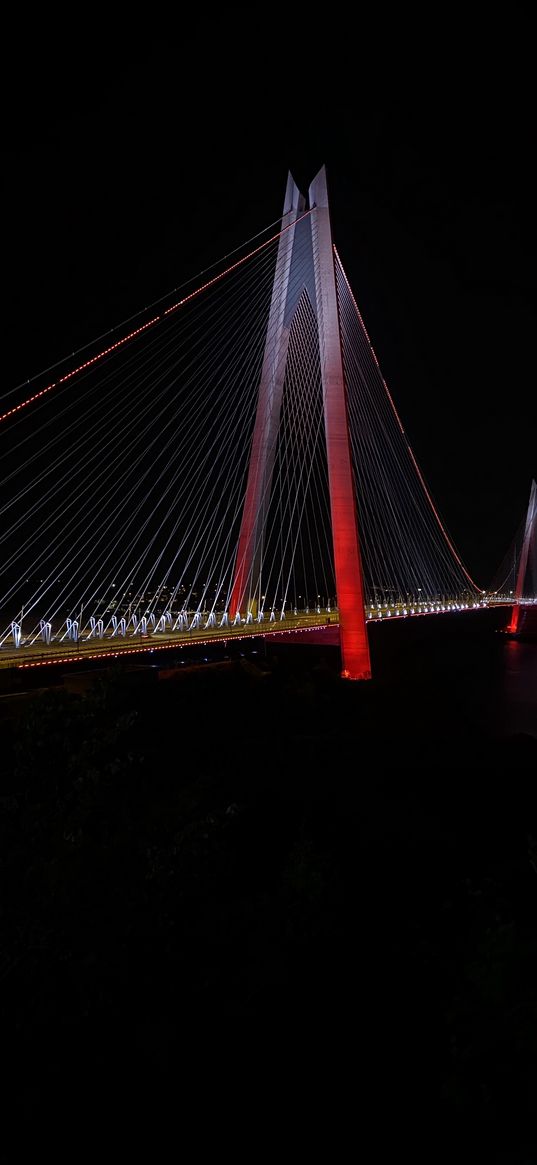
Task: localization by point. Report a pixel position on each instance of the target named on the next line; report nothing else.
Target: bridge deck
(37, 653)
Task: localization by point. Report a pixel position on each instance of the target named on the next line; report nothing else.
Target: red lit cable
(131, 335)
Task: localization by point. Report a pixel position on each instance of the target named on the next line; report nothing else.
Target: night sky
(135, 159)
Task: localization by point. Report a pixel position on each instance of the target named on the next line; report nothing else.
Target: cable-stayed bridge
(229, 463)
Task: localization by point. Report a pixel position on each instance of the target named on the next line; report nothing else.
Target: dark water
(465, 667)
(457, 681)
(518, 691)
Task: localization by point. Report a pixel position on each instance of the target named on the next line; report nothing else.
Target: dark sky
(135, 158)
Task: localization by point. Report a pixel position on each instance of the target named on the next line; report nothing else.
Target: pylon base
(346, 675)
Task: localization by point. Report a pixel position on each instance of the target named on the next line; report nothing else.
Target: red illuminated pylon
(529, 533)
(314, 236)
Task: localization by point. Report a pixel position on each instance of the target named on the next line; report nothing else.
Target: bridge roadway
(109, 647)
(37, 654)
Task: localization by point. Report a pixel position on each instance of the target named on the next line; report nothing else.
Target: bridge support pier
(530, 533)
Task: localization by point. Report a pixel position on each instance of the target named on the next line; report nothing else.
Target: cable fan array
(517, 573)
(293, 562)
(505, 577)
(407, 554)
(124, 486)
(123, 490)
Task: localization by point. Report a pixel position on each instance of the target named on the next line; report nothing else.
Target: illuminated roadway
(37, 654)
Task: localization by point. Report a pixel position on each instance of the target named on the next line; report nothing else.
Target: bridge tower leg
(530, 531)
(317, 274)
(265, 437)
(347, 559)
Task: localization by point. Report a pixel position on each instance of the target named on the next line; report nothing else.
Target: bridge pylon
(530, 533)
(311, 238)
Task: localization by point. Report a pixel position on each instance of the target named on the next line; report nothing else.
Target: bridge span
(33, 654)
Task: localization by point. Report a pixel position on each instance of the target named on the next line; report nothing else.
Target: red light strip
(131, 335)
(165, 646)
(81, 367)
(409, 447)
(239, 262)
